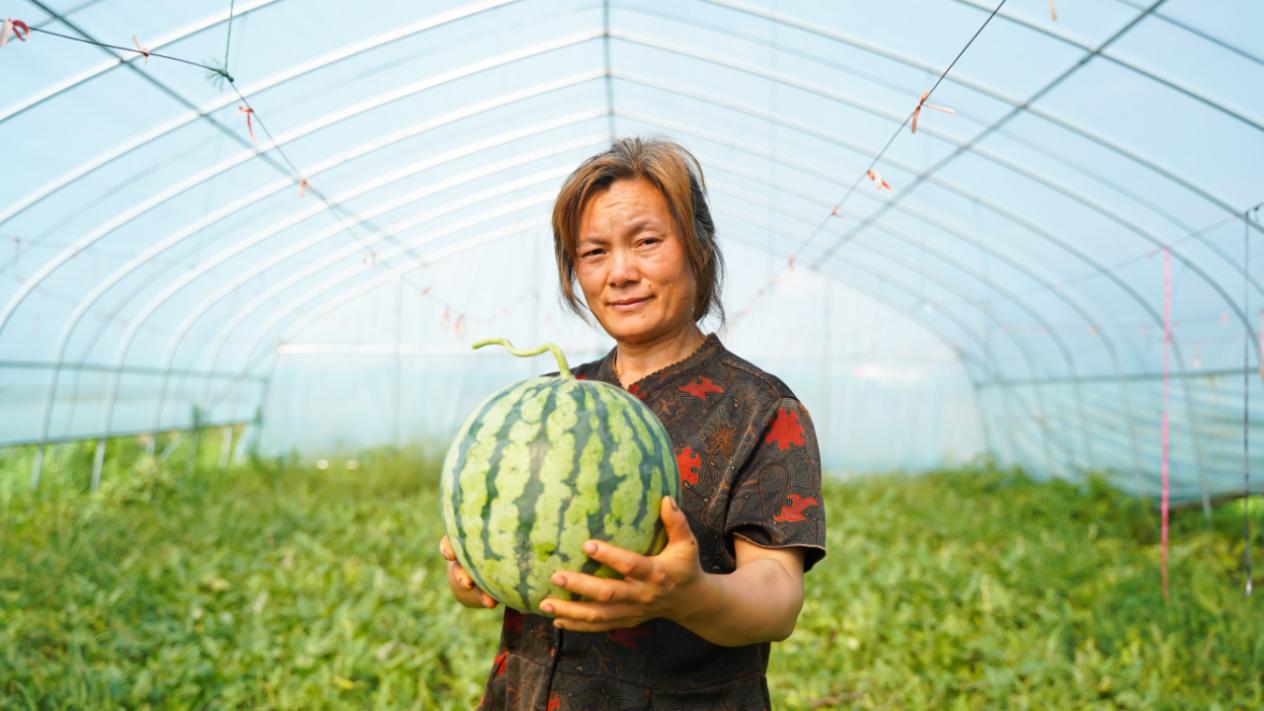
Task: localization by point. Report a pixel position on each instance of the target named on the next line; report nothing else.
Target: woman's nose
(623, 268)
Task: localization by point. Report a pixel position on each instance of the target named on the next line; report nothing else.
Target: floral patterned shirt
(749, 467)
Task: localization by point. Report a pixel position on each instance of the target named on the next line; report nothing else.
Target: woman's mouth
(625, 305)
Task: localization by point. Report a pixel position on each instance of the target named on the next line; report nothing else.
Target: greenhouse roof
(292, 209)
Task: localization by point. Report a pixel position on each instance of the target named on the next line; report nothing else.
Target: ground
(270, 585)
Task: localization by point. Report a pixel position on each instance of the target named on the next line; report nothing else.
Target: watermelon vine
(563, 369)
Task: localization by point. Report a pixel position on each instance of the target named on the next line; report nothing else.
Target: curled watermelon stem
(563, 369)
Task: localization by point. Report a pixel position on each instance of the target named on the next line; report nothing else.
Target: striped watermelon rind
(544, 465)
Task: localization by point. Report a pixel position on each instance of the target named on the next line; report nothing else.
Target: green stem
(563, 369)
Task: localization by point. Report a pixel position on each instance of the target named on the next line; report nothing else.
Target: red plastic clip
(250, 127)
(140, 48)
(1053, 11)
(917, 112)
(302, 187)
(877, 180)
(13, 28)
(836, 211)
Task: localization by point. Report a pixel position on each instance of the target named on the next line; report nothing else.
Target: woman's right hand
(462, 585)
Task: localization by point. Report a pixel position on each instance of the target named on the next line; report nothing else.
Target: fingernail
(546, 607)
(672, 502)
(469, 584)
(559, 580)
(590, 548)
(557, 624)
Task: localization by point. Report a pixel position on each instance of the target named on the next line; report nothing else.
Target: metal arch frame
(196, 27)
(836, 98)
(356, 291)
(933, 180)
(965, 357)
(257, 237)
(289, 74)
(1187, 262)
(383, 278)
(987, 91)
(958, 190)
(837, 38)
(961, 148)
(1141, 200)
(87, 302)
(328, 233)
(1017, 266)
(745, 109)
(136, 324)
(886, 277)
(971, 147)
(1022, 345)
(287, 179)
(302, 215)
(190, 320)
(1016, 219)
(1145, 12)
(360, 189)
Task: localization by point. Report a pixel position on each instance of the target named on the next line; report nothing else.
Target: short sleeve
(776, 497)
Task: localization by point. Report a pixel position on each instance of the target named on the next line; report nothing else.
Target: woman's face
(631, 264)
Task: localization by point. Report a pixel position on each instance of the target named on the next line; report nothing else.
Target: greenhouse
(1007, 253)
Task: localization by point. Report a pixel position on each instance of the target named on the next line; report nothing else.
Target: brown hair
(678, 176)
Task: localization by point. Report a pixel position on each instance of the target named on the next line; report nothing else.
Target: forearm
(758, 602)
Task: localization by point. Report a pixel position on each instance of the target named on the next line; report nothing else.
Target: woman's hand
(667, 585)
(462, 585)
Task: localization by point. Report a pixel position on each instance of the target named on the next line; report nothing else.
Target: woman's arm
(757, 602)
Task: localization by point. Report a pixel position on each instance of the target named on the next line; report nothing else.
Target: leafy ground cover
(273, 585)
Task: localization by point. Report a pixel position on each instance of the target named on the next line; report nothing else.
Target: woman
(691, 626)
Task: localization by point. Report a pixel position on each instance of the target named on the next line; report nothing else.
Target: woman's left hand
(666, 585)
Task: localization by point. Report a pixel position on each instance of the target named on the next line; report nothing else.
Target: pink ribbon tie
(917, 112)
(140, 48)
(250, 127)
(877, 180)
(13, 28)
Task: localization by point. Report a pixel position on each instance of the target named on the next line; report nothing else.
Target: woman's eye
(650, 241)
(591, 253)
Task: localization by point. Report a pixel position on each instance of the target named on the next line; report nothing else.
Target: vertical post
(399, 362)
(1167, 340)
(605, 47)
(196, 443)
(1246, 401)
(37, 466)
(97, 461)
(225, 446)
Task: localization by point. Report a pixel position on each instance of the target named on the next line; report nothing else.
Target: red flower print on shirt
(635, 389)
(628, 636)
(701, 387)
(793, 511)
(555, 702)
(688, 463)
(498, 666)
(785, 430)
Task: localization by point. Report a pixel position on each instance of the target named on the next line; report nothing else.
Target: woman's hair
(678, 176)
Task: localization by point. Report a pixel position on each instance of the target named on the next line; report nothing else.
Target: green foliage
(277, 586)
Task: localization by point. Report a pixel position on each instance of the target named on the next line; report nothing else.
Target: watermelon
(544, 465)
